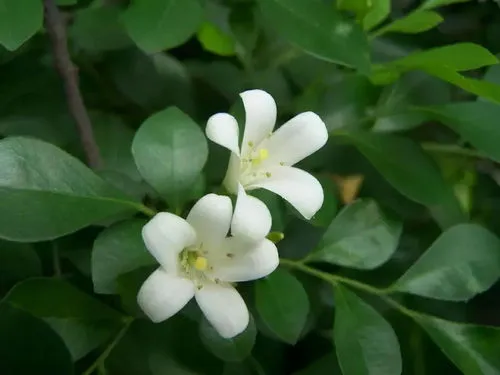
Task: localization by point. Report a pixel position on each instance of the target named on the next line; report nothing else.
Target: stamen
(268, 174)
(263, 155)
(201, 263)
(230, 255)
(250, 144)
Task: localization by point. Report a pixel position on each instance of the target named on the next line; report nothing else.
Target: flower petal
(251, 217)
(211, 218)
(299, 188)
(222, 128)
(260, 117)
(162, 295)
(246, 261)
(165, 236)
(298, 138)
(232, 174)
(224, 308)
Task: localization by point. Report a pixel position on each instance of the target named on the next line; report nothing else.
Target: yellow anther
(263, 154)
(250, 144)
(268, 174)
(201, 263)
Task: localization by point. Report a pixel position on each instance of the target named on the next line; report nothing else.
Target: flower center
(194, 265)
(250, 168)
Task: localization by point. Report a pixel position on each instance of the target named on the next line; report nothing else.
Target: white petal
(297, 139)
(246, 261)
(222, 128)
(260, 117)
(251, 217)
(165, 236)
(233, 174)
(211, 218)
(299, 188)
(162, 295)
(224, 309)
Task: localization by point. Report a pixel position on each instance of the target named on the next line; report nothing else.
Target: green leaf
(19, 21)
(82, 321)
(319, 29)
(359, 7)
(429, 4)
(282, 304)
(365, 342)
(66, 2)
(415, 22)
(476, 122)
(215, 40)
(156, 25)
(98, 29)
(230, 350)
(170, 151)
(17, 262)
(329, 209)
(378, 12)
(472, 348)
(46, 193)
(30, 346)
(361, 236)
(117, 250)
(463, 262)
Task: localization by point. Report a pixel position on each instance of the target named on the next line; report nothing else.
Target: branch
(56, 29)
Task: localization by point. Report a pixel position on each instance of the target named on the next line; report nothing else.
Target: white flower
(265, 159)
(197, 259)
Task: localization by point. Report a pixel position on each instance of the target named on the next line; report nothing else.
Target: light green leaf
(30, 346)
(98, 29)
(46, 193)
(463, 262)
(365, 342)
(319, 29)
(82, 322)
(476, 122)
(19, 21)
(472, 348)
(378, 12)
(282, 304)
(359, 7)
(215, 40)
(415, 22)
(430, 4)
(170, 151)
(361, 236)
(406, 167)
(235, 349)
(117, 250)
(156, 25)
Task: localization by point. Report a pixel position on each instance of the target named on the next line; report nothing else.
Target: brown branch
(56, 29)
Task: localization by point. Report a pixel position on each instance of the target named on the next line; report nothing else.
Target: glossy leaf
(215, 40)
(320, 30)
(282, 304)
(19, 21)
(476, 122)
(156, 25)
(170, 151)
(379, 11)
(463, 262)
(365, 342)
(361, 236)
(30, 346)
(415, 22)
(117, 250)
(472, 348)
(235, 349)
(36, 205)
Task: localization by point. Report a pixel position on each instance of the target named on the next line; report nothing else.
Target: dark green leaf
(46, 193)
(156, 25)
(329, 209)
(19, 21)
(365, 342)
(229, 350)
(361, 236)
(415, 22)
(476, 122)
(320, 30)
(117, 250)
(472, 348)
(463, 262)
(17, 262)
(282, 304)
(30, 346)
(170, 151)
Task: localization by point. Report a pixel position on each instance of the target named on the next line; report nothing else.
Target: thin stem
(56, 260)
(100, 360)
(56, 29)
(452, 149)
(146, 210)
